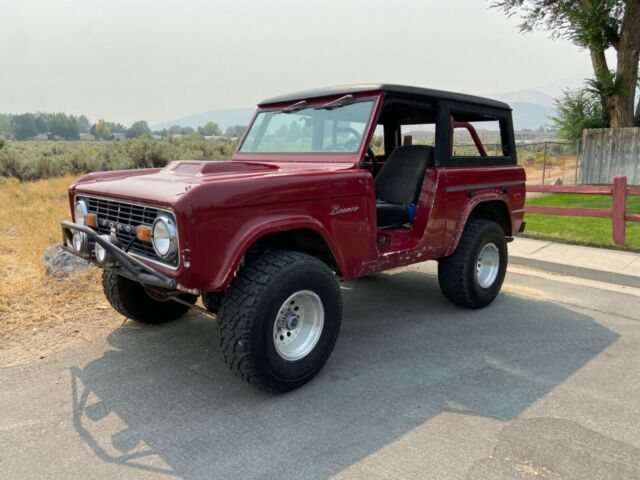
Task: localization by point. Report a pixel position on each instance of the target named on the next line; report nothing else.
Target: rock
(60, 262)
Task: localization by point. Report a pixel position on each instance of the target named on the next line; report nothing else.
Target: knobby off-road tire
(260, 305)
(131, 300)
(467, 277)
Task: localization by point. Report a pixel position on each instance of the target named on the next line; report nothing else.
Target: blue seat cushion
(392, 215)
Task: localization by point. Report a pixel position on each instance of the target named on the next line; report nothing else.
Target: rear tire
(280, 320)
(472, 277)
(130, 299)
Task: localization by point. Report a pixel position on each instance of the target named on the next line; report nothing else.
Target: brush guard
(126, 264)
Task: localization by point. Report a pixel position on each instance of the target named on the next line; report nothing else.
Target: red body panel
(223, 208)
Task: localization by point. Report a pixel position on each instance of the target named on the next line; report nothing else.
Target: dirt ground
(563, 168)
(23, 344)
(39, 314)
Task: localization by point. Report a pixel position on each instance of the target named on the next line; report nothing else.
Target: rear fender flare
(466, 213)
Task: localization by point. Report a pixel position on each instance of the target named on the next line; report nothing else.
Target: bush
(32, 160)
(577, 110)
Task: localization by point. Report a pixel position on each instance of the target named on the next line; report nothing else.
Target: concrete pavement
(541, 384)
(605, 265)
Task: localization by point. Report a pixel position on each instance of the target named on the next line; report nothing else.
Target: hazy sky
(159, 60)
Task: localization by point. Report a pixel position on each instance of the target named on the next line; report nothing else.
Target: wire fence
(550, 163)
(546, 163)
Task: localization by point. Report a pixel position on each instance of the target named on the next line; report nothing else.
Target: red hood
(180, 179)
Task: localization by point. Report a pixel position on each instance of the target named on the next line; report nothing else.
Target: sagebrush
(33, 160)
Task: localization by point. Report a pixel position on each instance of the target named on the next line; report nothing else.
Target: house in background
(87, 137)
(119, 137)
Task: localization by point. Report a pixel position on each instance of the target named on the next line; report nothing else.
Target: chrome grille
(125, 217)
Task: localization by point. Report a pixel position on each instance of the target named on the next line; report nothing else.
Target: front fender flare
(267, 227)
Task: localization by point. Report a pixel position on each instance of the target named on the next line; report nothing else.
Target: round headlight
(81, 211)
(163, 236)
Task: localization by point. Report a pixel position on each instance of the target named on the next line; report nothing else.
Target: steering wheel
(347, 146)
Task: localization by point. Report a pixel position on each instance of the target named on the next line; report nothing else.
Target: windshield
(309, 130)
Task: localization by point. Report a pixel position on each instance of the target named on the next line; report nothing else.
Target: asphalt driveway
(544, 383)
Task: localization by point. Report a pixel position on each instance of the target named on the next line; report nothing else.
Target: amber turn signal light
(143, 233)
(91, 220)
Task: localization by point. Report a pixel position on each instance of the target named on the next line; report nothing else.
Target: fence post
(577, 160)
(618, 209)
(544, 163)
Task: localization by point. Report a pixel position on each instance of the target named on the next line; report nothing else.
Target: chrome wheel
(298, 325)
(488, 265)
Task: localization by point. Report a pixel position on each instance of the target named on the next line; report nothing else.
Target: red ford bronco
(327, 184)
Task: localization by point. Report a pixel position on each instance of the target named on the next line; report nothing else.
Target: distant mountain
(555, 88)
(530, 115)
(224, 118)
(524, 96)
(531, 108)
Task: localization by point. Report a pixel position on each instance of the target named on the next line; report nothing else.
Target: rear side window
(476, 139)
(472, 135)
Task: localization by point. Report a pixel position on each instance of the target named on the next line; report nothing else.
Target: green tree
(577, 110)
(138, 129)
(117, 127)
(5, 122)
(209, 129)
(102, 130)
(23, 126)
(235, 131)
(63, 125)
(596, 25)
(83, 124)
(161, 133)
(41, 121)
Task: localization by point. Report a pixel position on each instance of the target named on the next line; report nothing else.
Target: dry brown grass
(30, 215)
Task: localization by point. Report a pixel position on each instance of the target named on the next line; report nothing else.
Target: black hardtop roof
(403, 90)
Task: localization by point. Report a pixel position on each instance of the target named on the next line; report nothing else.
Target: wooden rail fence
(617, 213)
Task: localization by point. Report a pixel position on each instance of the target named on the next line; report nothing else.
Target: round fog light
(102, 255)
(79, 242)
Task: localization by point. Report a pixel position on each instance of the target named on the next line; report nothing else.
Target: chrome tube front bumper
(125, 264)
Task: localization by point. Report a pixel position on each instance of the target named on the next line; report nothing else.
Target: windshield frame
(319, 157)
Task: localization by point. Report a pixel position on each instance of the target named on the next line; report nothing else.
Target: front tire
(130, 299)
(212, 301)
(280, 320)
(472, 277)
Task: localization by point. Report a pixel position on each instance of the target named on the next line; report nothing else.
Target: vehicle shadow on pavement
(163, 401)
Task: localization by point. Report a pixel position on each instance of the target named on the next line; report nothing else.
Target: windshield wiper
(294, 107)
(337, 103)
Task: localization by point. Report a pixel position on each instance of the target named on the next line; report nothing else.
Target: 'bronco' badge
(338, 210)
